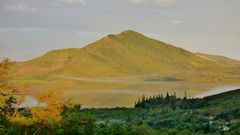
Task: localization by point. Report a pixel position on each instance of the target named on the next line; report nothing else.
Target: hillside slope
(222, 60)
(128, 54)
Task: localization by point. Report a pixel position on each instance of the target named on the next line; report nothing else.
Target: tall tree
(6, 88)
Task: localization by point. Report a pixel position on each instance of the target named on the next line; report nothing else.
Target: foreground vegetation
(157, 115)
(160, 116)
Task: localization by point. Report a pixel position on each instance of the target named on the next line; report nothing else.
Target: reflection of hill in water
(127, 79)
(126, 95)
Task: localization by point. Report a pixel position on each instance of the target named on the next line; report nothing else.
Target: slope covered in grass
(128, 54)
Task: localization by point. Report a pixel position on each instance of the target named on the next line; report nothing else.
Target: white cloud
(19, 8)
(161, 2)
(74, 1)
(177, 21)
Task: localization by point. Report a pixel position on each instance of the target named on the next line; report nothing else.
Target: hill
(224, 98)
(130, 54)
(171, 115)
(220, 59)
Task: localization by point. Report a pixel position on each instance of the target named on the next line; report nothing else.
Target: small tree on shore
(49, 110)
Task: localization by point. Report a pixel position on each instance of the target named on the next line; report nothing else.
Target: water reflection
(126, 97)
(108, 98)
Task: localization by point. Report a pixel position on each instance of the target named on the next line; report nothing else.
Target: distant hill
(221, 60)
(130, 54)
(230, 95)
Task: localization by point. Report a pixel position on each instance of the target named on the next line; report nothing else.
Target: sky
(30, 28)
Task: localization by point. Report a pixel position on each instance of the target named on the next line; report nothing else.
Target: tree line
(171, 101)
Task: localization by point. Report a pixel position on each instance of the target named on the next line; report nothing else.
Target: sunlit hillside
(129, 54)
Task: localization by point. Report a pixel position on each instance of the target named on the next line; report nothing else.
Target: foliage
(6, 88)
(75, 123)
(50, 107)
(171, 101)
(156, 115)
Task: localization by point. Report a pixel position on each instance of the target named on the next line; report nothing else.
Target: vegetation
(149, 117)
(157, 115)
(6, 89)
(218, 114)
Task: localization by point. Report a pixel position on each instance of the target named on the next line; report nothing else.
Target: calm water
(127, 97)
(107, 98)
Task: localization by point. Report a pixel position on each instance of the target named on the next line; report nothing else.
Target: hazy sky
(29, 28)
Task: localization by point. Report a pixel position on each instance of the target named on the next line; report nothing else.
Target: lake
(124, 91)
(127, 95)
(126, 98)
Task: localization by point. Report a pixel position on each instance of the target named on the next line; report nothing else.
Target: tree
(9, 99)
(49, 110)
(6, 88)
(167, 96)
(185, 95)
(75, 123)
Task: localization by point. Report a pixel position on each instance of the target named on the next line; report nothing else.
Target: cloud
(74, 1)
(160, 2)
(19, 8)
(177, 21)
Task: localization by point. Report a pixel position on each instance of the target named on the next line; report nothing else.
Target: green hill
(129, 54)
(225, 98)
(172, 115)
